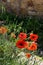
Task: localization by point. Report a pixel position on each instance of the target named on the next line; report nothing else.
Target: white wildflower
(21, 54)
(41, 63)
(22, 60)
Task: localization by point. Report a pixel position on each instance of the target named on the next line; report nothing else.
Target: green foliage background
(25, 24)
(18, 24)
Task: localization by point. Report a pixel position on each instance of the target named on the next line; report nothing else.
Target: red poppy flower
(21, 44)
(28, 55)
(23, 35)
(34, 37)
(32, 47)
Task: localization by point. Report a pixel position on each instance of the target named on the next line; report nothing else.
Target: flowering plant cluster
(23, 42)
(30, 45)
